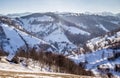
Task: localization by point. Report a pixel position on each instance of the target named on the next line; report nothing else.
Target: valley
(88, 42)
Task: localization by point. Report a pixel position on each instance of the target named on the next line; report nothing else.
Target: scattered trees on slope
(55, 62)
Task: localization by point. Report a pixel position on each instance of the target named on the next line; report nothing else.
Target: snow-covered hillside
(70, 24)
(89, 40)
(102, 55)
(100, 62)
(13, 38)
(70, 28)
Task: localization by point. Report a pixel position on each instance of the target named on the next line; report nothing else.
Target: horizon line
(86, 12)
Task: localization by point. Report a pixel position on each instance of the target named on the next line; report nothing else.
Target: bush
(114, 57)
(117, 67)
(2, 53)
(110, 75)
(14, 60)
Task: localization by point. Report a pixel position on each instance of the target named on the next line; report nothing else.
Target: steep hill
(14, 37)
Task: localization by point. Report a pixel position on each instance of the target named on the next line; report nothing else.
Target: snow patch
(102, 27)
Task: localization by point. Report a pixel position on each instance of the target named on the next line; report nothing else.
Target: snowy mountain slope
(109, 40)
(98, 62)
(68, 30)
(13, 32)
(13, 38)
(67, 34)
(47, 27)
(101, 55)
(65, 31)
(91, 21)
(51, 22)
(71, 24)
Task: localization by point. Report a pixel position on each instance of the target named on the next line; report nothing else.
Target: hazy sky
(20, 6)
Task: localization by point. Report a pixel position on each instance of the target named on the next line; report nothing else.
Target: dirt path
(13, 74)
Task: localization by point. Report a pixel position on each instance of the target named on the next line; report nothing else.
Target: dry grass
(13, 74)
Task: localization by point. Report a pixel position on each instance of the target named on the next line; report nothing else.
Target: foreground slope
(8, 69)
(7, 74)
